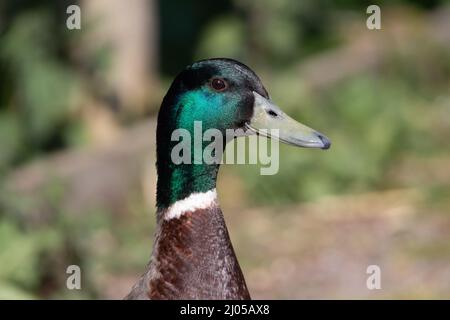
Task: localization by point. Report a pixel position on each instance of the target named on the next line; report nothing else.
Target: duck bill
(268, 120)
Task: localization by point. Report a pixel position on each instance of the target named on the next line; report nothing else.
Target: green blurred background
(77, 121)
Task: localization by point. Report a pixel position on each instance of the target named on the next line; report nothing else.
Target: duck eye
(218, 84)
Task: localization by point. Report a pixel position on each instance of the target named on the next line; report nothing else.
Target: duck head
(222, 94)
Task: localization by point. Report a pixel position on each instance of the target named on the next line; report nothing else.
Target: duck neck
(180, 164)
(177, 182)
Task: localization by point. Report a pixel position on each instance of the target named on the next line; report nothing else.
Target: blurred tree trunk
(120, 47)
(129, 30)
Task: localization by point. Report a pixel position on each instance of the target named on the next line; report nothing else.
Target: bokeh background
(77, 153)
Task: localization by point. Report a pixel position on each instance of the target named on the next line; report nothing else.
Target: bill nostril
(272, 113)
(325, 141)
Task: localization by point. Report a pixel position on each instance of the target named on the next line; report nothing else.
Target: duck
(192, 256)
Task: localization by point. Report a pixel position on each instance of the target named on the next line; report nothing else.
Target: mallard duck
(193, 257)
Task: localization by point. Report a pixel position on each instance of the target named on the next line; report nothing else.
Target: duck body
(193, 257)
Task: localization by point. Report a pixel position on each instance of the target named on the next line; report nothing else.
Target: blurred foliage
(374, 120)
(40, 89)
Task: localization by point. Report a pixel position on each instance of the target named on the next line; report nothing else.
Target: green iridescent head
(218, 92)
(222, 94)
